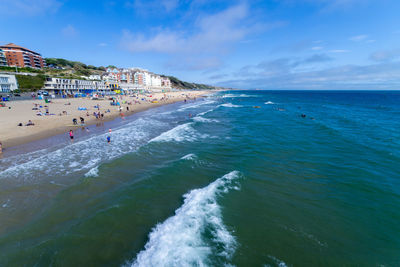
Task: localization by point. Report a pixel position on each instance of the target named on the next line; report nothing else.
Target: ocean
(238, 178)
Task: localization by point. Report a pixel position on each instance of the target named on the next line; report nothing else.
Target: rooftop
(12, 45)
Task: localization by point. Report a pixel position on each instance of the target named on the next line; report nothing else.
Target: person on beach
(82, 120)
(108, 139)
(75, 121)
(1, 148)
(71, 135)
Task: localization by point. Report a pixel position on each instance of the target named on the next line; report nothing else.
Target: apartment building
(68, 86)
(155, 80)
(3, 59)
(22, 57)
(165, 82)
(8, 83)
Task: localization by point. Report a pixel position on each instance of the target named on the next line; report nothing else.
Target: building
(8, 83)
(68, 86)
(165, 82)
(95, 77)
(22, 57)
(3, 59)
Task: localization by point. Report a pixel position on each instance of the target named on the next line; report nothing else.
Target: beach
(63, 111)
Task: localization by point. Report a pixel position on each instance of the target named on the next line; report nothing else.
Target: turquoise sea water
(244, 181)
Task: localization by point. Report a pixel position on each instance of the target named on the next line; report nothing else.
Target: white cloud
(69, 31)
(317, 48)
(28, 7)
(102, 44)
(150, 7)
(375, 76)
(385, 55)
(359, 38)
(339, 51)
(210, 36)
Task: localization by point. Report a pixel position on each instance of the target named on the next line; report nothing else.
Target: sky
(274, 44)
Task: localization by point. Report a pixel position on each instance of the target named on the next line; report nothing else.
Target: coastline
(12, 135)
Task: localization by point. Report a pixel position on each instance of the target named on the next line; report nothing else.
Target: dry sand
(48, 125)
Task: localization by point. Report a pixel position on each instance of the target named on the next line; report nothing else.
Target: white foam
(180, 240)
(189, 157)
(182, 132)
(93, 172)
(277, 261)
(230, 105)
(205, 112)
(233, 95)
(5, 205)
(196, 105)
(269, 103)
(83, 154)
(202, 119)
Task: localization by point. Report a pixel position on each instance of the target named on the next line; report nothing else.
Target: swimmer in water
(108, 139)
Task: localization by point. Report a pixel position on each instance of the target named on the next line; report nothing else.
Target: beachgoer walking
(71, 135)
(1, 148)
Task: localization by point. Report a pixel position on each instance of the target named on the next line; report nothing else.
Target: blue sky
(276, 44)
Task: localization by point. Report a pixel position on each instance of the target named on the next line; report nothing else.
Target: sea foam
(181, 241)
(93, 172)
(230, 105)
(189, 157)
(180, 133)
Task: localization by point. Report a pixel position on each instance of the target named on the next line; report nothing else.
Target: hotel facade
(18, 56)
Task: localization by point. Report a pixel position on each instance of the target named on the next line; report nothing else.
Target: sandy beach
(63, 111)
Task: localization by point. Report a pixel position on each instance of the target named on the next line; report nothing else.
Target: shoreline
(12, 135)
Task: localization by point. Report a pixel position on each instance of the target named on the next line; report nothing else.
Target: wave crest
(181, 240)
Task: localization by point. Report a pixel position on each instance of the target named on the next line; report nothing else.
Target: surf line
(180, 240)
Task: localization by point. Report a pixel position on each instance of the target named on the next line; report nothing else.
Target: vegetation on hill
(30, 83)
(176, 83)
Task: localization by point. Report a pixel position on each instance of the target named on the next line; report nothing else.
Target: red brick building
(22, 57)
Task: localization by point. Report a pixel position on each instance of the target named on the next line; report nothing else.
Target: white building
(8, 83)
(94, 77)
(155, 81)
(165, 82)
(68, 86)
(59, 84)
(85, 85)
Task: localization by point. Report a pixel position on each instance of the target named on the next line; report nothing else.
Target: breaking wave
(183, 239)
(180, 133)
(230, 105)
(93, 172)
(190, 156)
